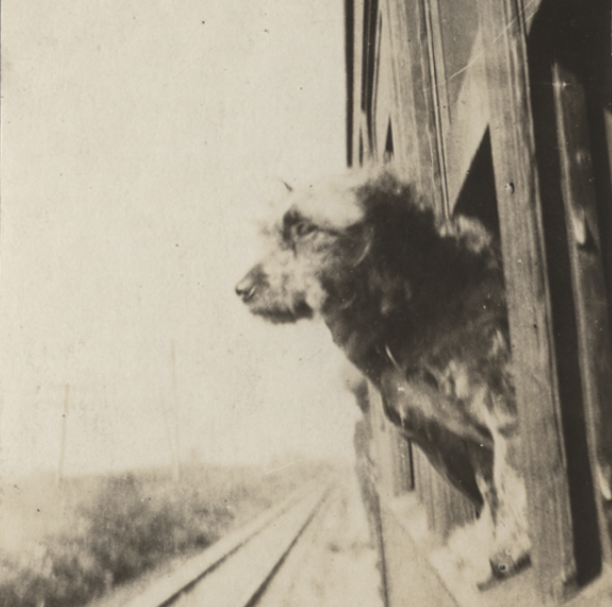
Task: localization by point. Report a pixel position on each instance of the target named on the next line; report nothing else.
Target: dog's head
(366, 239)
(320, 238)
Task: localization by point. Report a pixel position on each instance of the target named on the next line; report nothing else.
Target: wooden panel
(403, 464)
(349, 62)
(445, 507)
(517, 184)
(371, 53)
(384, 102)
(398, 59)
(385, 455)
(358, 42)
(412, 77)
(424, 479)
(591, 304)
(438, 93)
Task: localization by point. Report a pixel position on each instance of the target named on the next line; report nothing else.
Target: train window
(388, 153)
(477, 197)
(454, 27)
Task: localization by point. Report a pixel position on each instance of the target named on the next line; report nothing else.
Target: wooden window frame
(570, 537)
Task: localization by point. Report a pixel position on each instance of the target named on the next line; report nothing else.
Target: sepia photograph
(305, 303)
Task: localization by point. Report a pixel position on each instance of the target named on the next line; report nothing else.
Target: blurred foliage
(101, 532)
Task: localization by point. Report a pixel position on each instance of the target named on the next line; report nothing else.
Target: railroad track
(235, 571)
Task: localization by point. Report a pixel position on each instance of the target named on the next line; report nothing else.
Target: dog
(417, 304)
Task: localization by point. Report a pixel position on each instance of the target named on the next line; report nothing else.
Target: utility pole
(176, 460)
(62, 457)
(170, 441)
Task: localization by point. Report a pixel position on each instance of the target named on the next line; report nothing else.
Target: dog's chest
(453, 401)
(456, 375)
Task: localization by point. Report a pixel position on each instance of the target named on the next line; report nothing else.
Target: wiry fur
(418, 306)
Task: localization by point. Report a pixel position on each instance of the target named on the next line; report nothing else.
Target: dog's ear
(391, 291)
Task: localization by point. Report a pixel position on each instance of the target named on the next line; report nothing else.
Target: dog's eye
(304, 228)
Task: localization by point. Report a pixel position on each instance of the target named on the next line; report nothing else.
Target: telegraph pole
(62, 457)
(176, 460)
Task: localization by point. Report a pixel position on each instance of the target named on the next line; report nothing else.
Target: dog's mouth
(254, 292)
(284, 315)
(277, 313)
(247, 294)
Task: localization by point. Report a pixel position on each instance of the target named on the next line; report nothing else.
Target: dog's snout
(247, 287)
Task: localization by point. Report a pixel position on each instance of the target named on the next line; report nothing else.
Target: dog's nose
(249, 285)
(246, 288)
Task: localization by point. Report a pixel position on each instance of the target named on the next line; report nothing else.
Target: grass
(63, 546)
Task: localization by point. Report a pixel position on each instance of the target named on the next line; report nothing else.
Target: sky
(141, 142)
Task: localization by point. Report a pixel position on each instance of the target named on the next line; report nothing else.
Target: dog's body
(418, 306)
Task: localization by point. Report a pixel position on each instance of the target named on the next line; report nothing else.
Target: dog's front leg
(511, 537)
(453, 456)
(497, 544)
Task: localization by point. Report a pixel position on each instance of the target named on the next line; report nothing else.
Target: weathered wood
(412, 76)
(403, 475)
(383, 97)
(438, 94)
(357, 81)
(349, 66)
(370, 60)
(580, 204)
(395, 26)
(425, 490)
(385, 446)
(525, 267)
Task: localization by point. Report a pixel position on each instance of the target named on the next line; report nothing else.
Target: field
(64, 545)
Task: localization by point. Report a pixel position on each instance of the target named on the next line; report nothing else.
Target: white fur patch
(328, 206)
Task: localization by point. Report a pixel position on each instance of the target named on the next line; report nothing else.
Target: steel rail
(164, 592)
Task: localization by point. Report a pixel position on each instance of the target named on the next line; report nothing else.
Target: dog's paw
(469, 547)
(510, 551)
(481, 559)
(503, 567)
(483, 573)
(474, 570)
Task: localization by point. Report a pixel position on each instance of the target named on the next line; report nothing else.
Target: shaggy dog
(417, 304)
